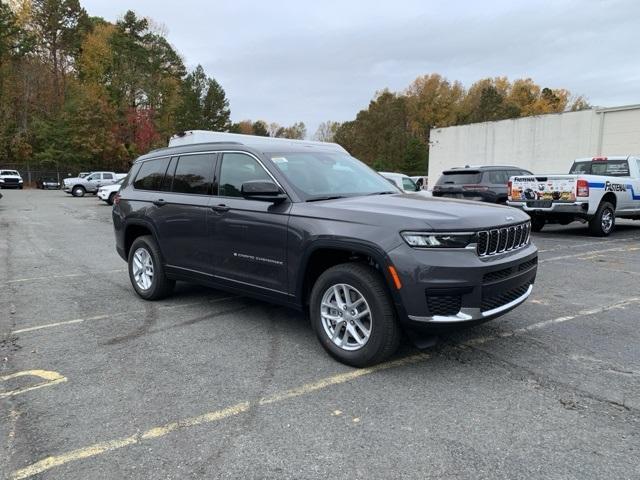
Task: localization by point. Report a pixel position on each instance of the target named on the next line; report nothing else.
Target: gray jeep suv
(306, 225)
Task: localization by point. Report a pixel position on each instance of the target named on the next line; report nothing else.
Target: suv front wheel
(146, 271)
(353, 315)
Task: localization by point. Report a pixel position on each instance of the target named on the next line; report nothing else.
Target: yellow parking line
(50, 378)
(234, 410)
(209, 417)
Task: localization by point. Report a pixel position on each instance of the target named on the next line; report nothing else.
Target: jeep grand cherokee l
(306, 225)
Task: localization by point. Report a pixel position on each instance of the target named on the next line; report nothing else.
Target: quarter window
(194, 174)
(498, 177)
(151, 174)
(236, 169)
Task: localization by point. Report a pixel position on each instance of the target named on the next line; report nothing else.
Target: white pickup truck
(597, 190)
(78, 186)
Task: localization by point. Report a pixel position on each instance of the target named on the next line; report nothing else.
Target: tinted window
(107, 176)
(168, 178)
(614, 168)
(236, 169)
(519, 173)
(460, 178)
(194, 174)
(150, 174)
(497, 177)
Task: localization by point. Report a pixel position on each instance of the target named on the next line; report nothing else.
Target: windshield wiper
(328, 197)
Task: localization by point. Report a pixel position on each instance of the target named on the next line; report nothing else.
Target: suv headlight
(439, 240)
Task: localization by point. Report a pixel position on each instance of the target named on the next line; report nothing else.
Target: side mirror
(264, 190)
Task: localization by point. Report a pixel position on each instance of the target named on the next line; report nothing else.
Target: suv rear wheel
(146, 271)
(353, 316)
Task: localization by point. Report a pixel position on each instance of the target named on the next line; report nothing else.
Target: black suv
(483, 183)
(308, 226)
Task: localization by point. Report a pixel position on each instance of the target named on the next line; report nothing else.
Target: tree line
(393, 132)
(80, 91)
(83, 92)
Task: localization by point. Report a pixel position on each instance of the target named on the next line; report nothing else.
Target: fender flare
(341, 243)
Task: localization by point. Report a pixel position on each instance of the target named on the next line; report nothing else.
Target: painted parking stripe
(69, 275)
(588, 253)
(50, 378)
(111, 315)
(239, 408)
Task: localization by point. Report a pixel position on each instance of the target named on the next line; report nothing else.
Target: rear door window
(107, 176)
(498, 177)
(151, 174)
(194, 174)
(460, 178)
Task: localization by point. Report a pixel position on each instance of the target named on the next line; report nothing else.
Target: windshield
(318, 175)
(9, 172)
(613, 168)
(460, 178)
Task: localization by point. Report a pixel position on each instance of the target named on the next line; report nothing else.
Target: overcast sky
(293, 60)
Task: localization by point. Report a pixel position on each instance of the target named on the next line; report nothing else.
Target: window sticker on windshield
(278, 160)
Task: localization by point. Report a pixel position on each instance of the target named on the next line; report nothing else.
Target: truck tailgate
(543, 190)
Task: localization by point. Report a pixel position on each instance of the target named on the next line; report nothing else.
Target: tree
(59, 25)
(260, 128)
(204, 104)
(297, 131)
(326, 131)
(215, 108)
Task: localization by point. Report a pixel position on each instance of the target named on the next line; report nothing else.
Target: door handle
(220, 208)
(159, 203)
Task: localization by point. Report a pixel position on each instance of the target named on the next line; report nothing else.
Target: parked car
(597, 191)
(422, 182)
(404, 183)
(481, 183)
(11, 179)
(79, 186)
(310, 227)
(108, 192)
(46, 183)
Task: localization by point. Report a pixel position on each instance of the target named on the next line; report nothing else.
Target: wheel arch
(137, 228)
(611, 198)
(326, 253)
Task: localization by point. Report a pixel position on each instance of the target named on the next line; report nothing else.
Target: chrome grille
(499, 240)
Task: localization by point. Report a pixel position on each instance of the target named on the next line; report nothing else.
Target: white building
(542, 144)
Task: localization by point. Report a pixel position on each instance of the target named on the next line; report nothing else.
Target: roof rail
(191, 137)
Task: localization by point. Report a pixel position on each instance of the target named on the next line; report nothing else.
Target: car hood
(18, 177)
(406, 211)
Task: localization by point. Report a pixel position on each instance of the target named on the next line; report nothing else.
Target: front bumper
(454, 287)
(102, 195)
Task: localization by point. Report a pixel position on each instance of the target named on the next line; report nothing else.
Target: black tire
(111, 197)
(537, 223)
(384, 336)
(78, 191)
(161, 286)
(20, 187)
(604, 221)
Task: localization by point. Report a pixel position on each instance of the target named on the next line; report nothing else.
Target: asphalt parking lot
(96, 383)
